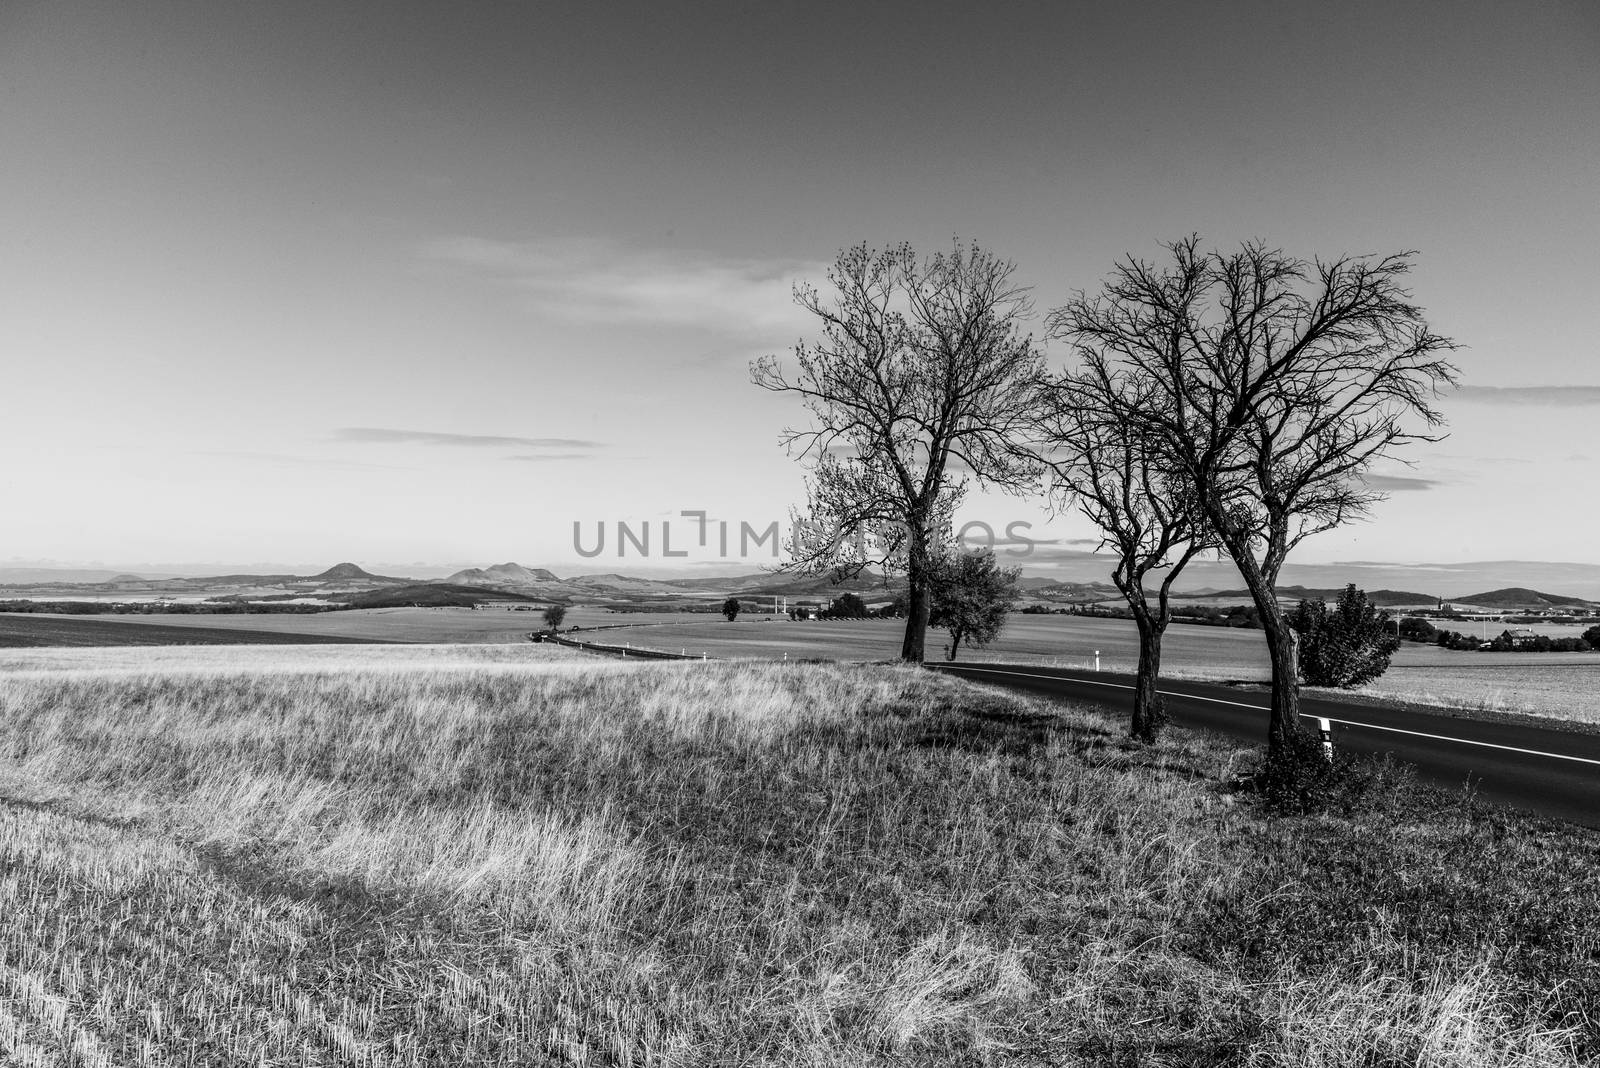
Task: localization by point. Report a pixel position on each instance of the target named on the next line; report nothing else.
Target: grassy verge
(704, 864)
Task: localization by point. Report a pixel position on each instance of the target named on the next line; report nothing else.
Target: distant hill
(506, 574)
(348, 572)
(1517, 597)
(819, 586)
(1073, 592)
(75, 576)
(1381, 598)
(428, 595)
(623, 584)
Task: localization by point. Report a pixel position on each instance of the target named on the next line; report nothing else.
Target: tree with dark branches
(1103, 464)
(917, 387)
(1281, 381)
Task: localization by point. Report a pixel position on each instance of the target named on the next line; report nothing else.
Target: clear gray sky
(399, 282)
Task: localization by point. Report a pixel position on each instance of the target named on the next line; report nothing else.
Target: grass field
(451, 856)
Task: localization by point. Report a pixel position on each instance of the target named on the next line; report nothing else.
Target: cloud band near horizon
(390, 436)
(1553, 396)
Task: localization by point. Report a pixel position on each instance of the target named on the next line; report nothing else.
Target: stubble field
(521, 856)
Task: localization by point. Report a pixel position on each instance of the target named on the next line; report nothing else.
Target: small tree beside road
(730, 608)
(1346, 646)
(971, 596)
(554, 615)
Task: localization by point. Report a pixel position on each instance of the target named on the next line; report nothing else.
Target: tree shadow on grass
(999, 729)
(346, 901)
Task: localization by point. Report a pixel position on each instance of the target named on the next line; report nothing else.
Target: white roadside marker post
(1097, 660)
(1325, 729)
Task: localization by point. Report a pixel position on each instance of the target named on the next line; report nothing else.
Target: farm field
(1553, 684)
(1562, 685)
(365, 624)
(83, 661)
(416, 855)
(1068, 641)
(30, 629)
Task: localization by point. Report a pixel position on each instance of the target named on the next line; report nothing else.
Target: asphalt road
(1539, 768)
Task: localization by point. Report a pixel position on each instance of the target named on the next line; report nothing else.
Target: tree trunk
(917, 608)
(955, 644)
(1284, 720)
(1146, 723)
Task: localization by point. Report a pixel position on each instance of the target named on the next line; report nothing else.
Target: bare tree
(1281, 381)
(1105, 465)
(917, 387)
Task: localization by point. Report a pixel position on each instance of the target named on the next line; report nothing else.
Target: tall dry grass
(556, 862)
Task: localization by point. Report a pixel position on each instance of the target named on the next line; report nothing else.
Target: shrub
(1417, 629)
(1300, 780)
(1344, 647)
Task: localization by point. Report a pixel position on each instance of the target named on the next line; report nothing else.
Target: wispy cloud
(553, 456)
(595, 281)
(1400, 483)
(388, 436)
(277, 459)
(1550, 396)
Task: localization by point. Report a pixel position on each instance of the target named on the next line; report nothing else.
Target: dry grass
(351, 857)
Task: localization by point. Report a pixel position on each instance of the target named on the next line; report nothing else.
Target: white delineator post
(1325, 729)
(1097, 660)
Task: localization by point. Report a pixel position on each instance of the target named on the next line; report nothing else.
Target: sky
(424, 284)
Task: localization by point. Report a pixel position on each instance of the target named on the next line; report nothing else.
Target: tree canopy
(918, 385)
(972, 594)
(1281, 382)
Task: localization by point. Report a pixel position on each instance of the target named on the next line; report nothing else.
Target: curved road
(1540, 768)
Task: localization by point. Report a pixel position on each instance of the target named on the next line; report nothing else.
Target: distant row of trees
(1417, 629)
(1227, 401)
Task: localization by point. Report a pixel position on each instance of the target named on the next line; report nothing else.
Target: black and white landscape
(639, 535)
